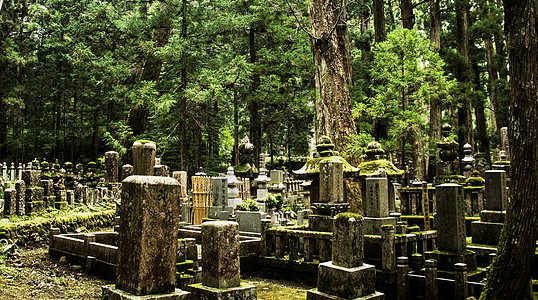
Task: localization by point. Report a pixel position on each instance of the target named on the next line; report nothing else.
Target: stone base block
(314, 294)
(320, 223)
(1, 207)
(243, 292)
(373, 225)
(34, 206)
(447, 259)
(60, 205)
(492, 216)
(486, 233)
(348, 283)
(112, 293)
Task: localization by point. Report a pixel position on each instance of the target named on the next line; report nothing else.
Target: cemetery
(281, 149)
(193, 242)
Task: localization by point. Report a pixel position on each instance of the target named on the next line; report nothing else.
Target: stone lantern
(468, 161)
(233, 191)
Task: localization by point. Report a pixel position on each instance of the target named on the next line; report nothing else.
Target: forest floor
(30, 273)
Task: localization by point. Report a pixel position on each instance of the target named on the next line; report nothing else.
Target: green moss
(450, 176)
(312, 165)
(144, 142)
(242, 168)
(387, 226)
(344, 217)
(472, 180)
(502, 163)
(372, 166)
(452, 253)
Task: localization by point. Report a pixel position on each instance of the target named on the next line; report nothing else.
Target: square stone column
(220, 264)
(147, 239)
(111, 166)
(331, 181)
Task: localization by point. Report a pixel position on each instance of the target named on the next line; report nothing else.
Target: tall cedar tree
(510, 274)
(331, 51)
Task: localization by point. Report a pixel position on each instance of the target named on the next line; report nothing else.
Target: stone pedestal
(147, 239)
(220, 264)
(346, 277)
(376, 205)
(451, 238)
(488, 230)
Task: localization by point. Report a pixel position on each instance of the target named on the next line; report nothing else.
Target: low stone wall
(37, 230)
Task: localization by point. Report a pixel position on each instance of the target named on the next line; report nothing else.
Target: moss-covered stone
(344, 217)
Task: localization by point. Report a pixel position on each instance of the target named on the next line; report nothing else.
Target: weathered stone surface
(126, 171)
(450, 217)
(112, 293)
(21, 189)
(243, 292)
(494, 216)
(143, 157)
(486, 233)
(147, 240)
(47, 186)
(10, 202)
(349, 283)
(373, 225)
(70, 197)
(348, 241)
(220, 254)
(31, 177)
(111, 166)
(1, 207)
(219, 187)
(496, 198)
(376, 203)
(331, 181)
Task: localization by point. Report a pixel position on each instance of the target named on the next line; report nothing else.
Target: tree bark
(255, 118)
(330, 48)
(509, 275)
(408, 17)
(465, 121)
(182, 98)
(379, 21)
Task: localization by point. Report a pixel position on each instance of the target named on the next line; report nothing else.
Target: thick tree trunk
(408, 17)
(183, 99)
(481, 126)
(465, 121)
(255, 118)
(330, 48)
(510, 274)
(379, 21)
(492, 77)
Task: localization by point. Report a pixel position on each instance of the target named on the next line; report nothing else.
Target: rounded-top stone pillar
(143, 157)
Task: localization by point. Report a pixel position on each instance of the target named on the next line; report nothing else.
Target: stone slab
(112, 293)
(447, 259)
(250, 221)
(492, 216)
(373, 225)
(314, 294)
(243, 292)
(376, 203)
(486, 233)
(344, 282)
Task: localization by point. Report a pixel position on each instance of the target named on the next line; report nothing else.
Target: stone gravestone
(147, 240)
(451, 237)
(21, 189)
(488, 229)
(111, 166)
(376, 205)
(10, 202)
(126, 171)
(220, 264)
(143, 157)
(346, 276)
(219, 193)
(31, 177)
